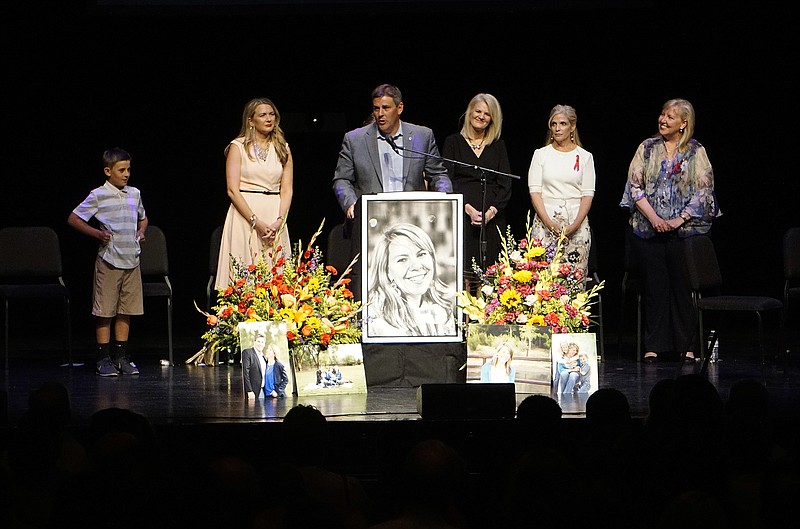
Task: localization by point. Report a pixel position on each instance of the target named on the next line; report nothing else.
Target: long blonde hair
(496, 357)
(248, 132)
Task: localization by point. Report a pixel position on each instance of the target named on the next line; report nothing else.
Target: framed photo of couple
(411, 266)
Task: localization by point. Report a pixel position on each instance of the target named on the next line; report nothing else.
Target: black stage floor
(188, 394)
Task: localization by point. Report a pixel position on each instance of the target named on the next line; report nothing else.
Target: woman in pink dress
(259, 172)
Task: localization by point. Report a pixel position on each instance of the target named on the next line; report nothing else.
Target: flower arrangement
(530, 285)
(299, 290)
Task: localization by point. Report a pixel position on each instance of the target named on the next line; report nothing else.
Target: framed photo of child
(510, 353)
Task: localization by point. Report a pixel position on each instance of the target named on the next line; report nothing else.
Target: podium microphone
(392, 144)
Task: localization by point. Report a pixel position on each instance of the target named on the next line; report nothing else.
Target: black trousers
(670, 320)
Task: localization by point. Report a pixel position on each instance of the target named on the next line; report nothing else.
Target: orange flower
(331, 269)
(212, 320)
(307, 330)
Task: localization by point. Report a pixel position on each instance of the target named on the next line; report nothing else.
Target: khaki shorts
(116, 291)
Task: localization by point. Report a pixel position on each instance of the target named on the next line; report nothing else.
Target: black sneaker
(125, 366)
(106, 368)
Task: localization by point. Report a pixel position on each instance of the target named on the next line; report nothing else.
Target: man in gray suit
(369, 164)
(371, 161)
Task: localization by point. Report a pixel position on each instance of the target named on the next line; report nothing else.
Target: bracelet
(685, 216)
(253, 220)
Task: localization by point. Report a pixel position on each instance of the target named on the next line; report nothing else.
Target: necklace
(259, 151)
(670, 154)
(478, 146)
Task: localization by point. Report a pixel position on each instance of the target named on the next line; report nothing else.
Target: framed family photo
(335, 370)
(574, 363)
(411, 267)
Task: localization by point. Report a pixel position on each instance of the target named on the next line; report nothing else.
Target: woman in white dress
(561, 181)
(259, 173)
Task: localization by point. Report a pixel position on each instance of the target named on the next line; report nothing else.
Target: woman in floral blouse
(670, 193)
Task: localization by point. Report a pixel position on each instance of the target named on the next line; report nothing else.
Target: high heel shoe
(689, 360)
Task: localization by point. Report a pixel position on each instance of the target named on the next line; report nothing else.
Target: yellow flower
(313, 284)
(510, 298)
(534, 251)
(287, 314)
(580, 300)
(536, 319)
(305, 294)
(522, 276)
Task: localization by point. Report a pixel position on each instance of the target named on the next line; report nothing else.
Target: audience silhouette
(696, 460)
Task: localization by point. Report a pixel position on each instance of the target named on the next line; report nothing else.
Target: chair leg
(761, 350)
(5, 318)
(169, 329)
(703, 348)
(68, 332)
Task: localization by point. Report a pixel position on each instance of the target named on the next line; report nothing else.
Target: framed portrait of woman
(411, 267)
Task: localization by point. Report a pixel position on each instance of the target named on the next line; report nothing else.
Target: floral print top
(683, 183)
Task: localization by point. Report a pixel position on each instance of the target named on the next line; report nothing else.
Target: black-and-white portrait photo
(411, 267)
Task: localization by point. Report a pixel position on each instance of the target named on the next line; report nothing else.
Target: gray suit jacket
(358, 170)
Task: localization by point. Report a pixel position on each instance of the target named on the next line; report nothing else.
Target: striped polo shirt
(120, 211)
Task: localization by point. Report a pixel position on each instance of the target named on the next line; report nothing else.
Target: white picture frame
(420, 235)
(580, 369)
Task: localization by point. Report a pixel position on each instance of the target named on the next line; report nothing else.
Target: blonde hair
(495, 126)
(686, 113)
(495, 358)
(572, 117)
(248, 133)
